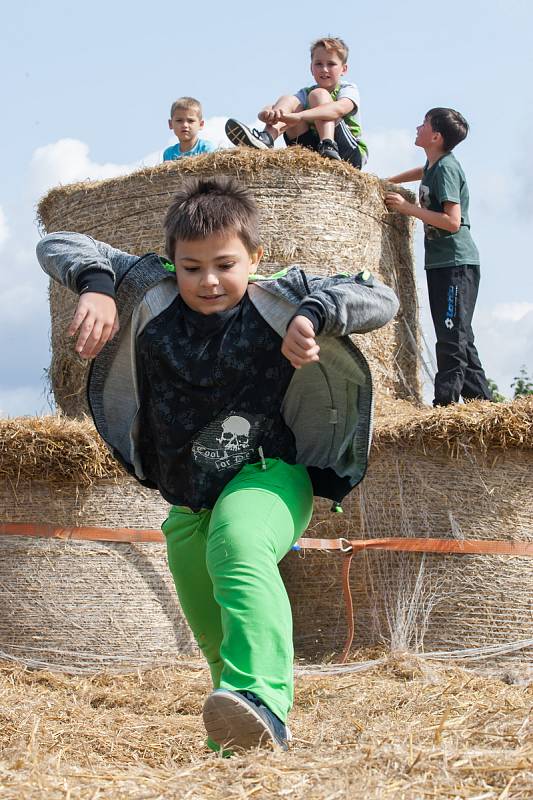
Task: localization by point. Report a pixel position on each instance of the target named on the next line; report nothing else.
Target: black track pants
(452, 298)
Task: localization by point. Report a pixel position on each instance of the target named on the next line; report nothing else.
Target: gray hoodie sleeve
(350, 304)
(70, 258)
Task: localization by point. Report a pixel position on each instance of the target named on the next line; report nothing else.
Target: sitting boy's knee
(319, 96)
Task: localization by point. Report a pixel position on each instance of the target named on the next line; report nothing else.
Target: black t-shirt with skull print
(211, 388)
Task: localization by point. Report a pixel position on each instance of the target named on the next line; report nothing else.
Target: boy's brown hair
(206, 206)
(338, 46)
(187, 103)
(451, 125)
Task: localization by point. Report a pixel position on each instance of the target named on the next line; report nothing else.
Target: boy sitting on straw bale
(186, 120)
(451, 257)
(324, 117)
(217, 393)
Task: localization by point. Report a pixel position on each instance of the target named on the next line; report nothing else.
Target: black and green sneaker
(240, 135)
(240, 720)
(329, 149)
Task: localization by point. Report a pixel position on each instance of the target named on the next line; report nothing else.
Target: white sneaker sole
(240, 135)
(232, 723)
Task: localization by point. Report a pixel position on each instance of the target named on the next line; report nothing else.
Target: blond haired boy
(324, 117)
(186, 120)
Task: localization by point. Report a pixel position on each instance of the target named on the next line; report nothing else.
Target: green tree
(496, 396)
(522, 384)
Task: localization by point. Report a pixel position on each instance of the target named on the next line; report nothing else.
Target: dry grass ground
(404, 729)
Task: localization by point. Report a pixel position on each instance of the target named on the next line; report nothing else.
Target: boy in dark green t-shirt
(451, 257)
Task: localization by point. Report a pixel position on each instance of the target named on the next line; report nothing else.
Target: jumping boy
(451, 257)
(186, 120)
(324, 117)
(237, 397)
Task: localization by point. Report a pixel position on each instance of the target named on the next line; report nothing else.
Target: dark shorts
(346, 142)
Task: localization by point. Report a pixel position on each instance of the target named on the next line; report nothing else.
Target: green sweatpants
(225, 567)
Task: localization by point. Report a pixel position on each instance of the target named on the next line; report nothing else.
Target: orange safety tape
(505, 547)
(86, 533)
(420, 545)
(349, 547)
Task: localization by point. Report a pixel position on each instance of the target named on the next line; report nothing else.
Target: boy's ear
(344, 69)
(202, 122)
(255, 258)
(170, 124)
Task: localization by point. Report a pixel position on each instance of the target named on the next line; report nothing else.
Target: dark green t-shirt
(445, 182)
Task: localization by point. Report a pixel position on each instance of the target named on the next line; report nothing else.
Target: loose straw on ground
(405, 730)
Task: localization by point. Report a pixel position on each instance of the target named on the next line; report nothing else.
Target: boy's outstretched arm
(343, 304)
(415, 174)
(89, 268)
(447, 220)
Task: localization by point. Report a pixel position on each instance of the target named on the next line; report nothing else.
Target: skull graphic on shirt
(235, 433)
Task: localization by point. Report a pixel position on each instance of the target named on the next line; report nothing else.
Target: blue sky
(86, 90)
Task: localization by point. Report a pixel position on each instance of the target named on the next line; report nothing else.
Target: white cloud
(4, 229)
(213, 131)
(505, 343)
(494, 194)
(23, 401)
(68, 161)
(391, 152)
(20, 301)
(512, 312)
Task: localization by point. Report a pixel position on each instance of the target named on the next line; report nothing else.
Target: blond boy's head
(186, 121)
(187, 104)
(333, 45)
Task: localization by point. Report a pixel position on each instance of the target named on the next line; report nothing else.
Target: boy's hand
(395, 202)
(96, 319)
(289, 117)
(299, 343)
(269, 115)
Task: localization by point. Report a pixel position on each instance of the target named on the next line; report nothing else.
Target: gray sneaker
(240, 134)
(242, 720)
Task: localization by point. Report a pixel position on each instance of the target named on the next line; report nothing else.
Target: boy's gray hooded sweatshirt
(328, 404)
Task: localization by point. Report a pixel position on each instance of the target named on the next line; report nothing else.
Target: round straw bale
(322, 214)
(80, 605)
(464, 472)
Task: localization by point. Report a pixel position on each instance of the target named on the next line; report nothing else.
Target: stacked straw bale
(81, 605)
(322, 214)
(462, 472)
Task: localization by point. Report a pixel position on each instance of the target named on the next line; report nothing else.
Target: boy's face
(327, 68)
(186, 124)
(212, 273)
(425, 135)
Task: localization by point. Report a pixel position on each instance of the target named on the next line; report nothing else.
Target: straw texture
(402, 730)
(464, 472)
(326, 216)
(459, 472)
(86, 606)
(74, 604)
